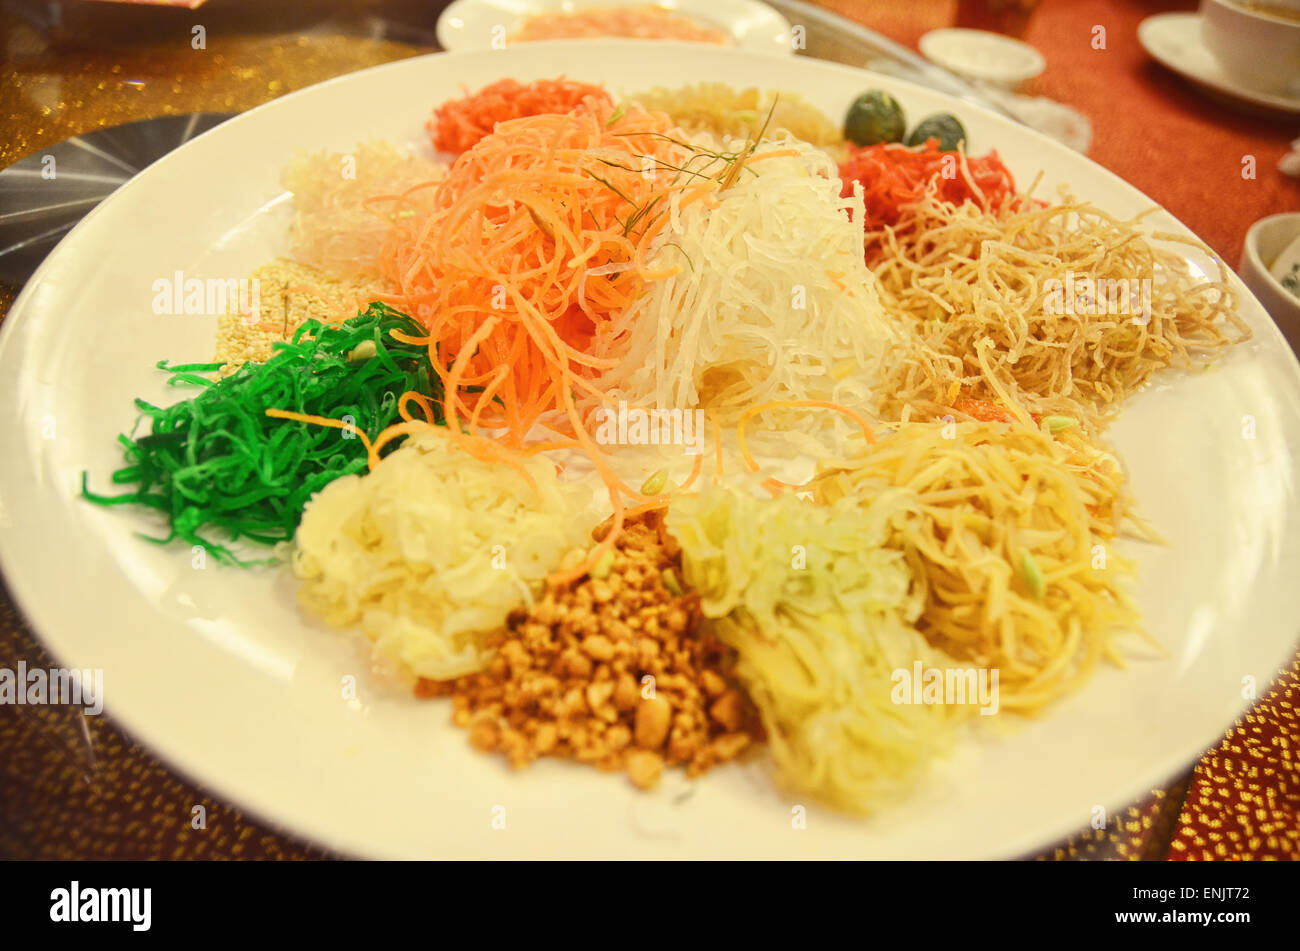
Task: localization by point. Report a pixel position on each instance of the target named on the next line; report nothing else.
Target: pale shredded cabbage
(772, 299)
(431, 551)
(821, 615)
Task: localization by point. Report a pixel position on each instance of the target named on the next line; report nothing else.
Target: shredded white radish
(771, 299)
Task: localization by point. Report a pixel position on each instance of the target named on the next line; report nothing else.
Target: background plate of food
(1072, 497)
(494, 24)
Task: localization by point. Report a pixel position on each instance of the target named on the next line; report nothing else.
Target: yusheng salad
(655, 438)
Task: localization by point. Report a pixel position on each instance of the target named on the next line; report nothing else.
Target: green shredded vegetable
(1033, 576)
(656, 483)
(217, 462)
(1057, 424)
(822, 616)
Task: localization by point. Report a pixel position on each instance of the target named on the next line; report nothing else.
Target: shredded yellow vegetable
(1009, 532)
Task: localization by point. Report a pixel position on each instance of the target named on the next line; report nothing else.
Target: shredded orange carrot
(459, 124)
(695, 474)
(517, 226)
(325, 421)
(895, 177)
(426, 406)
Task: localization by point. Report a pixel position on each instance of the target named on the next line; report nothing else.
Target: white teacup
(1257, 42)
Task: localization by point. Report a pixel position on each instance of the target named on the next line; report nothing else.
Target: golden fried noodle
(1066, 308)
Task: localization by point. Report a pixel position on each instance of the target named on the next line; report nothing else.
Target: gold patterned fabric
(51, 95)
(1244, 797)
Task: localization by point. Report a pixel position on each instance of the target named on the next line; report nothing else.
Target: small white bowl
(1266, 239)
(984, 56)
(1258, 50)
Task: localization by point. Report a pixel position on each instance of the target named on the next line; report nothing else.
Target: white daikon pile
(769, 297)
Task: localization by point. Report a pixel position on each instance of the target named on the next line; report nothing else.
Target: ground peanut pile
(612, 671)
(288, 294)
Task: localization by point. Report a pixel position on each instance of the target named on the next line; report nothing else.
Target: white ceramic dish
(1174, 40)
(982, 55)
(488, 24)
(218, 673)
(1266, 239)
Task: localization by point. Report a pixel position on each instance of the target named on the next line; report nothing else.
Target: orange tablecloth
(1150, 126)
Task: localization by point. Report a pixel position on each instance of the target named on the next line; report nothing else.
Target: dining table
(74, 786)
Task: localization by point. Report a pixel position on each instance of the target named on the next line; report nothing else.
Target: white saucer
(983, 56)
(1174, 40)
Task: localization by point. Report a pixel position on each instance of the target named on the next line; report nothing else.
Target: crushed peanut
(288, 294)
(612, 671)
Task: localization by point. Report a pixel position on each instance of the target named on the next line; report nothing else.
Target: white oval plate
(218, 673)
(488, 24)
